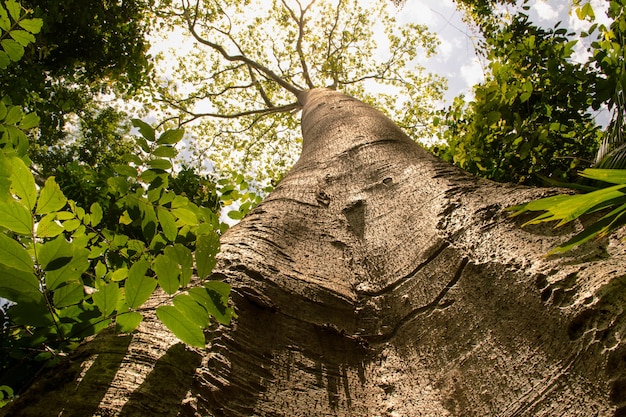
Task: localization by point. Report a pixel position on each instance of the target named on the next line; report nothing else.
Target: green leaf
(5, 61)
(145, 129)
(207, 246)
(186, 216)
(106, 298)
(160, 164)
(31, 25)
(19, 286)
(182, 256)
(96, 214)
(165, 151)
(62, 262)
(48, 227)
(235, 215)
(51, 198)
(23, 182)
(214, 298)
(31, 314)
(181, 326)
(167, 272)
(171, 136)
(168, 223)
(68, 294)
(127, 322)
(22, 37)
(16, 217)
(612, 176)
(5, 22)
(138, 287)
(29, 121)
(14, 50)
(191, 309)
(14, 8)
(125, 170)
(14, 255)
(119, 274)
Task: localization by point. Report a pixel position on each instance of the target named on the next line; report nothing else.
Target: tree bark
(377, 280)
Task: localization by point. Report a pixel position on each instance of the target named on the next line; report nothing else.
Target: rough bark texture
(377, 280)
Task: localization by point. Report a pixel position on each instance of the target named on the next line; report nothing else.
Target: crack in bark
(392, 286)
(421, 310)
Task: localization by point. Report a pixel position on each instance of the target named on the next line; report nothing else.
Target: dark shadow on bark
(107, 352)
(238, 374)
(158, 396)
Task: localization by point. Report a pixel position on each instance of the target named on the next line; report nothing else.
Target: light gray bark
(377, 280)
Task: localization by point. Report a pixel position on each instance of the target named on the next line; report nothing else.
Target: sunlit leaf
(16, 217)
(23, 182)
(181, 326)
(14, 255)
(207, 246)
(127, 322)
(68, 294)
(171, 136)
(145, 129)
(19, 286)
(168, 223)
(167, 273)
(51, 198)
(106, 298)
(138, 287)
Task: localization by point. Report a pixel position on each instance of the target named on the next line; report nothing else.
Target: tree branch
(191, 23)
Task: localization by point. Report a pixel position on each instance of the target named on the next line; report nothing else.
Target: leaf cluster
(69, 269)
(609, 200)
(528, 122)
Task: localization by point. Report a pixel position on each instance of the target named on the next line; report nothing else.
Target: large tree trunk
(377, 280)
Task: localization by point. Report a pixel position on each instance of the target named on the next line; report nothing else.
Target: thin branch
(301, 22)
(191, 23)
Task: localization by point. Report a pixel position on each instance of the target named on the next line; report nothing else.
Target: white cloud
(472, 73)
(544, 10)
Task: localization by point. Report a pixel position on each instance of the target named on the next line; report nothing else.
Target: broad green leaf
(23, 182)
(127, 322)
(51, 198)
(167, 273)
(71, 225)
(14, 255)
(31, 25)
(181, 326)
(214, 298)
(14, 115)
(5, 22)
(138, 287)
(96, 214)
(48, 227)
(207, 246)
(125, 170)
(186, 216)
(14, 8)
(29, 121)
(32, 313)
(106, 298)
(54, 253)
(171, 136)
(145, 129)
(191, 309)
(4, 59)
(22, 37)
(235, 215)
(165, 151)
(16, 217)
(612, 176)
(62, 262)
(19, 286)
(182, 256)
(160, 164)
(14, 50)
(119, 274)
(168, 223)
(68, 294)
